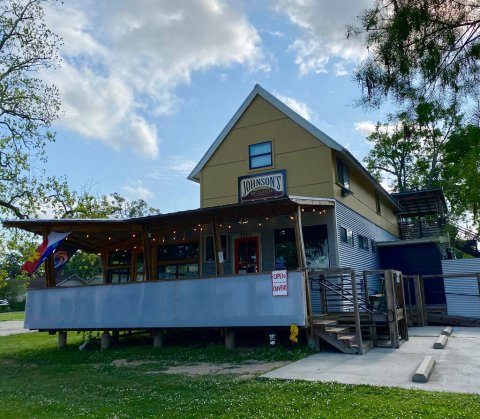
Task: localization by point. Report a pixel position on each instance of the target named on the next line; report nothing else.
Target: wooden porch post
(392, 308)
(302, 264)
(420, 301)
(49, 268)
(356, 312)
(297, 219)
(217, 246)
(147, 254)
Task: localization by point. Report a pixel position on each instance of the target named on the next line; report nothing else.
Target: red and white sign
(279, 283)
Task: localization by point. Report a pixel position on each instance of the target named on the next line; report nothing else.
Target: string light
(88, 235)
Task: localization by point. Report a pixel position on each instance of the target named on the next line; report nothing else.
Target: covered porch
(209, 267)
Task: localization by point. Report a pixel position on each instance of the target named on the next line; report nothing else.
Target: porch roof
(93, 235)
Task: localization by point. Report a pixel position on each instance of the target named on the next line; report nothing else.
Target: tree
(462, 169)
(393, 154)
(66, 203)
(28, 105)
(419, 48)
(83, 264)
(409, 148)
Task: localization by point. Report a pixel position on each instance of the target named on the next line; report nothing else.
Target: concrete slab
(457, 365)
(13, 327)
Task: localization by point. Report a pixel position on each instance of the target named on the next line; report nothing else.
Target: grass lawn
(12, 315)
(37, 380)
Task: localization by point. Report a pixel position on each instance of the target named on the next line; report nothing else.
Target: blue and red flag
(43, 251)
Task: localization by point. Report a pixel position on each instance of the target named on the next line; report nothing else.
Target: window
(124, 266)
(176, 261)
(260, 155)
(315, 240)
(346, 235)
(374, 246)
(210, 248)
(377, 203)
(119, 265)
(120, 257)
(140, 268)
(362, 242)
(343, 174)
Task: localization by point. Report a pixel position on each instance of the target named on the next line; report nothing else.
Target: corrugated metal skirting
(462, 294)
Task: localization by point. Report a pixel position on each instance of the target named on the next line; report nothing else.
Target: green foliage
(13, 281)
(408, 149)
(419, 48)
(28, 105)
(462, 170)
(85, 265)
(85, 383)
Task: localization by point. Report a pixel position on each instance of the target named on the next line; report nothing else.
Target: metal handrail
(341, 291)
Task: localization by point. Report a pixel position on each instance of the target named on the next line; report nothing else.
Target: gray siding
(215, 302)
(462, 294)
(353, 256)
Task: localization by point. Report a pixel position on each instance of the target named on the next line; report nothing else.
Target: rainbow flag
(43, 251)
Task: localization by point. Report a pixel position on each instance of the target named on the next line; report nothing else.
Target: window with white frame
(346, 236)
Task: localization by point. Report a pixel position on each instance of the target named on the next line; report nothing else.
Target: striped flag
(43, 251)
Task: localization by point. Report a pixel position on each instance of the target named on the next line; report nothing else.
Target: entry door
(246, 255)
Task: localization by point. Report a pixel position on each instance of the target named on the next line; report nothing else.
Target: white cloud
(364, 127)
(300, 107)
(176, 167)
(181, 165)
(322, 24)
(123, 60)
(136, 190)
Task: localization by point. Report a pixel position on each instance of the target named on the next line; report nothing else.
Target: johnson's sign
(262, 186)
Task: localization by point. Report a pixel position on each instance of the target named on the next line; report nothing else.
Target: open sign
(279, 283)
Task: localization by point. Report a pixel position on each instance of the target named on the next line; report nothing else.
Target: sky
(147, 85)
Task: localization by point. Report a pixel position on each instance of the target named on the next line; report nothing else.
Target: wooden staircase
(339, 335)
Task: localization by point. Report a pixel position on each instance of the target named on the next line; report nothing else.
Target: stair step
(366, 345)
(337, 329)
(347, 337)
(324, 322)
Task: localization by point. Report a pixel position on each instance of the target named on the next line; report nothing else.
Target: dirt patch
(131, 364)
(246, 369)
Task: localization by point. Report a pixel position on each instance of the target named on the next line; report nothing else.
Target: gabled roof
(294, 116)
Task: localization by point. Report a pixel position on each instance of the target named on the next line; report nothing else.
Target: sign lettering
(279, 283)
(262, 186)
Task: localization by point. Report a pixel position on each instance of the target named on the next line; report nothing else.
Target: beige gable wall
(310, 165)
(363, 199)
(306, 160)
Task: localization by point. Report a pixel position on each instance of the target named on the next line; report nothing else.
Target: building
(276, 193)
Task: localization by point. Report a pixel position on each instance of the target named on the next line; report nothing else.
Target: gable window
(377, 203)
(362, 242)
(260, 155)
(343, 174)
(346, 236)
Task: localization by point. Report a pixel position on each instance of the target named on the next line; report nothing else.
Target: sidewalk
(457, 368)
(13, 327)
